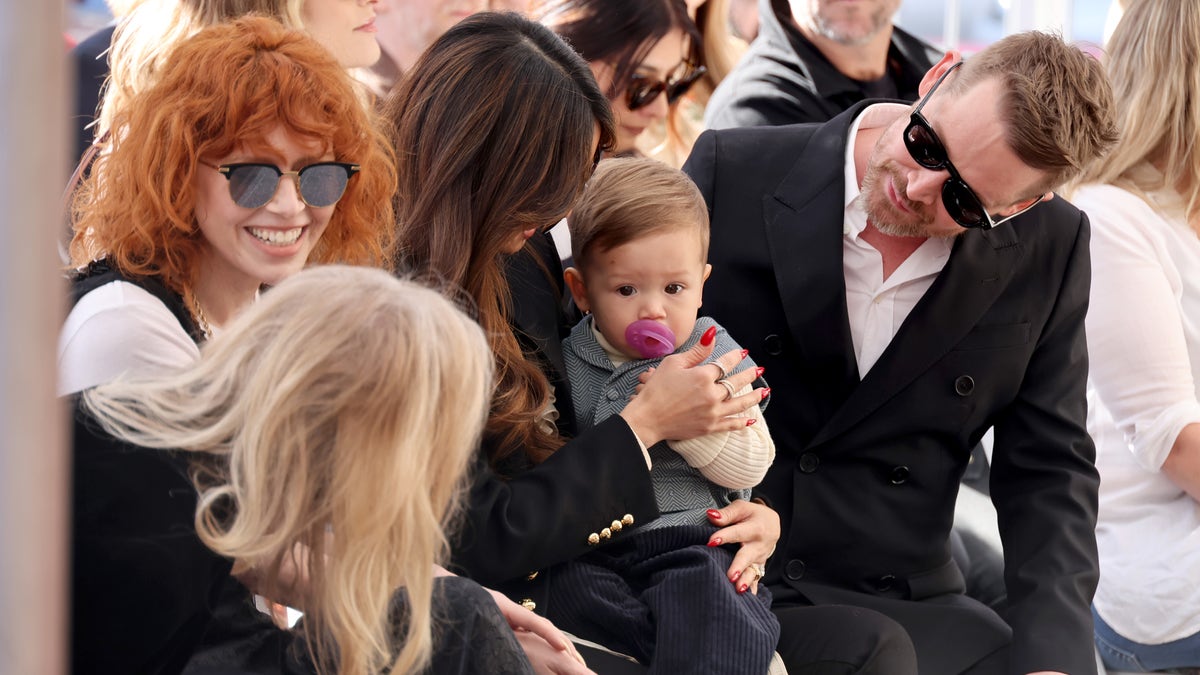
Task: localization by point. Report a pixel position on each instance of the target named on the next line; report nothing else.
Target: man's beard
(883, 214)
(850, 33)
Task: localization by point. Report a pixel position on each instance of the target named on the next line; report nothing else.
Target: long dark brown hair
(494, 130)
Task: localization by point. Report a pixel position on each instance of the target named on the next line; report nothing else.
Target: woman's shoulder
(119, 327)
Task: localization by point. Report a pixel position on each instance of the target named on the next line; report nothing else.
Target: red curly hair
(225, 89)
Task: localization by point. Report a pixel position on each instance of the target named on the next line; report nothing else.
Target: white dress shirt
(877, 307)
(1143, 330)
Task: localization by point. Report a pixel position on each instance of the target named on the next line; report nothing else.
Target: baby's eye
(672, 289)
(626, 290)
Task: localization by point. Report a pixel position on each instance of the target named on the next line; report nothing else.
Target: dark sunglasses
(643, 89)
(926, 149)
(252, 185)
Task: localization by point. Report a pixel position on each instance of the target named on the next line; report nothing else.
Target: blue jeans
(1123, 654)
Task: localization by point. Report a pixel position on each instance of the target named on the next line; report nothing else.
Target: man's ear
(949, 59)
(578, 290)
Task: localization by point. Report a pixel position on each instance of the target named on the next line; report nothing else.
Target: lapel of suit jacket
(806, 255)
(980, 267)
(536, 295)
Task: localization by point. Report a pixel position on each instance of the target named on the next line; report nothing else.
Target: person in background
(505, 162)
(912, 282)
(145, 38)
(267, 162)
(1143, 329)
(406, 28)
(297, 423)
(90, 59)
(646, 55)
(813, 59)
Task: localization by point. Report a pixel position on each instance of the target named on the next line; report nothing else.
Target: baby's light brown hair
(630, 198)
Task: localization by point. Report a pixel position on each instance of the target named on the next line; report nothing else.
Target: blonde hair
(631, 198)
(146, 36)
(344, 402)
(1153, 63)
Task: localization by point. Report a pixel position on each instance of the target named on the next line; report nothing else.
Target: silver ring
(724, 373)
(728, 387)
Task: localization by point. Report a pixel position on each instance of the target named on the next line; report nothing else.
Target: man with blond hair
(908, 279)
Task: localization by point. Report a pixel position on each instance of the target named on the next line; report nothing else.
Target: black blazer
(515, 528)
(866, 473)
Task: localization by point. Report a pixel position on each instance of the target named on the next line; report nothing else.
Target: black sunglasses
(252, 185)
(643, 89)
(926, 149)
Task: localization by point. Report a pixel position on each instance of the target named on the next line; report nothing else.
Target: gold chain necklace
(201, 318)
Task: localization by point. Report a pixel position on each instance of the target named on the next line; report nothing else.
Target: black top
(785, 79)
(91, 70)
(150, 598)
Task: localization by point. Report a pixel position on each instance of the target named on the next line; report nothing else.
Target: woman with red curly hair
(224, 178)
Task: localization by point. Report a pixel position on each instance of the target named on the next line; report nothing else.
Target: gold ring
(728, 387)
(758, 569)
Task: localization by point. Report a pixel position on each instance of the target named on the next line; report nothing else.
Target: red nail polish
(758, 372)
(745, 353)
(766, 392)
(715, 541)
(736, 575)
(714, 514)
(707, 338)
(743, 588)
(750, 422)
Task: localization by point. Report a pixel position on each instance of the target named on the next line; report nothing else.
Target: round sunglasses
(926, 149)
(252, 185)
(643, 89)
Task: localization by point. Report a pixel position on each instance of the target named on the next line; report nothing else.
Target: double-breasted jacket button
(612, 394)
(605, 533)
(627, 519)
(593, 539)
(898, 475)
(885, 583)
(794, 569)
(531, 576)
(529, 604)
(616, 526)
(809, 462)
(773, 345)
(964, 385)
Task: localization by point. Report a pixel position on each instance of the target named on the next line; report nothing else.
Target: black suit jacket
(517, 526)
(867, 472)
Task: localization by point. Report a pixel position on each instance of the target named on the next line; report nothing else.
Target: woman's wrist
(641, 425)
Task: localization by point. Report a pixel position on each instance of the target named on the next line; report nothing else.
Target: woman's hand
(548, 649)
(681, 399)
(756, 527)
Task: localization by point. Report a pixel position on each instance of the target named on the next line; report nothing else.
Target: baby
(639, 238)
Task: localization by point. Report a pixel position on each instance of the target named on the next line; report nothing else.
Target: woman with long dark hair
(497, 128)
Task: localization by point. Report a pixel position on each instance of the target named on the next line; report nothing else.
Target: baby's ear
(707, 271)
(578, 290)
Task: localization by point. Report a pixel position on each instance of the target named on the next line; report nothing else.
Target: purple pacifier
(651, 339)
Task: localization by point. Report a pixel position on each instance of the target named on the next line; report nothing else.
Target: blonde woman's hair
(1153, 63)
(339, 414)
(145, 37)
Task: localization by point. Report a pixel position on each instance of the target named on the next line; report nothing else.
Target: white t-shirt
(1143, 330)
(119, 328)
